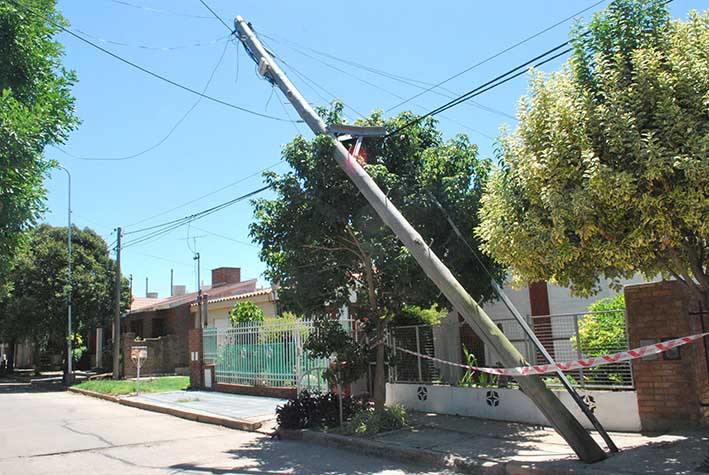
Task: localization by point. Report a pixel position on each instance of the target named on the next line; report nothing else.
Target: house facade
(163, 324)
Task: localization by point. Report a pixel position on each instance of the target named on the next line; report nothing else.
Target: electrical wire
(421, 85)
(244, 243)
(156, 10)
(201, 197)
(215, 15)
(499, 53)
(172, 129)
(150, 47)
(493, 83)
(141, 68)
(378, 87)
(162, 229)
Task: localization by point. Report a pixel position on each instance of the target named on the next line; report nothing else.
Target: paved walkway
(484, 443)
(226, 405)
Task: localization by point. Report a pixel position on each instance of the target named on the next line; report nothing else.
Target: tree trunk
(379, 373)
(11, 358)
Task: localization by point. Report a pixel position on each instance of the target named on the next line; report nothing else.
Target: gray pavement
(486, 443)
(56, 432)
(220, 404)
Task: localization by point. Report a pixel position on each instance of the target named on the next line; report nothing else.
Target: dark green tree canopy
(36, 309)
(36, 110)
(319, 237)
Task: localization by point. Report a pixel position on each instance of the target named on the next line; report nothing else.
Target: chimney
(225, 275)
(152, 295)
(178, 290)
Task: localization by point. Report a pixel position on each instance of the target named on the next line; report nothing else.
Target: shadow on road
(8, 386)
(271, 457)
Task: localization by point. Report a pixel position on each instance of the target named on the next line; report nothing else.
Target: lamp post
(69, 358)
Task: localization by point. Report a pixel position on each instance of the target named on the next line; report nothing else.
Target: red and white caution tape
(571, 365)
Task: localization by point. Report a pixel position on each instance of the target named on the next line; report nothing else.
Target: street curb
(197, 416)
(86, 392)
(435, 459)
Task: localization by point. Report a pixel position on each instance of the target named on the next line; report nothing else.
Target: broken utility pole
(558, 415)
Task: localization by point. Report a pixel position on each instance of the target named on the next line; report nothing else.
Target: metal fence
(565, 336)
(266, 353)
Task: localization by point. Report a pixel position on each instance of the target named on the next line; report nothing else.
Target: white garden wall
(616, 410)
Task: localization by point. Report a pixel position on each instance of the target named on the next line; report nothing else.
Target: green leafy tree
(607, 173)
(321, 240)
(245, 312)
(602, 333)
(36, 110)
(36, 309)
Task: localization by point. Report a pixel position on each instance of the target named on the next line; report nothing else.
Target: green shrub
(602, 333)
(317, 410)
(368, 422)
(246, 312)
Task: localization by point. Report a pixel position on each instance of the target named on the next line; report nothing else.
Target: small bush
(317, 410)
(368, 422)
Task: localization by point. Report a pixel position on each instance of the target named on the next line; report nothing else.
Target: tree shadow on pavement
(268, 456)
(8, 386)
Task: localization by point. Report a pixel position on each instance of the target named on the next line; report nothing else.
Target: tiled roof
(142, 302)
(228, 290)
(255, 293)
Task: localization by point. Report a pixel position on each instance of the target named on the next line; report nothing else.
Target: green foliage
(607, 173)
(320, 238)
(368, 422)
(246, 311)
(317, 410)
(602, 333)
(36, 110)
(476, 379)
(147, 385)
(37, 307)
(415, 315)
(349, 358)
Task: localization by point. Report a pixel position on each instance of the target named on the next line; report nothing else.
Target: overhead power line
(143, 69)
(214, 14)
(162, 229)
(152, 47)
(493, 83)
(499, 53)
(201, 197)
(172, 129)
(157, 10)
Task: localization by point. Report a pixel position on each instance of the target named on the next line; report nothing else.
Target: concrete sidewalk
(249, 413)
(481, 446)
(261, 410)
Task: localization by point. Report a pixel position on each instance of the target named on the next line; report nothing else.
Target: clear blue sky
(124, 111)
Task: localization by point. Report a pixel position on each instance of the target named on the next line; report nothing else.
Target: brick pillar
(672, 389)
(539, 305)
(194, 342)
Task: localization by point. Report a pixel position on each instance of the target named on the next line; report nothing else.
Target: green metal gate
(267, 353)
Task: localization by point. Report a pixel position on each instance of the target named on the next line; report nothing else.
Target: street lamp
(69, 358)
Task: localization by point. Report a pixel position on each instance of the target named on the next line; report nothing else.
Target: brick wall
(671, 393)
(162, 355)
(194, 338)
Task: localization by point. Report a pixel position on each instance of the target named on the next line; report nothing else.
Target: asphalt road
(56, 432)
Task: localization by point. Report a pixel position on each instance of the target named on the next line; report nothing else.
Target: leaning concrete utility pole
(117, 312)
(557, 414)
